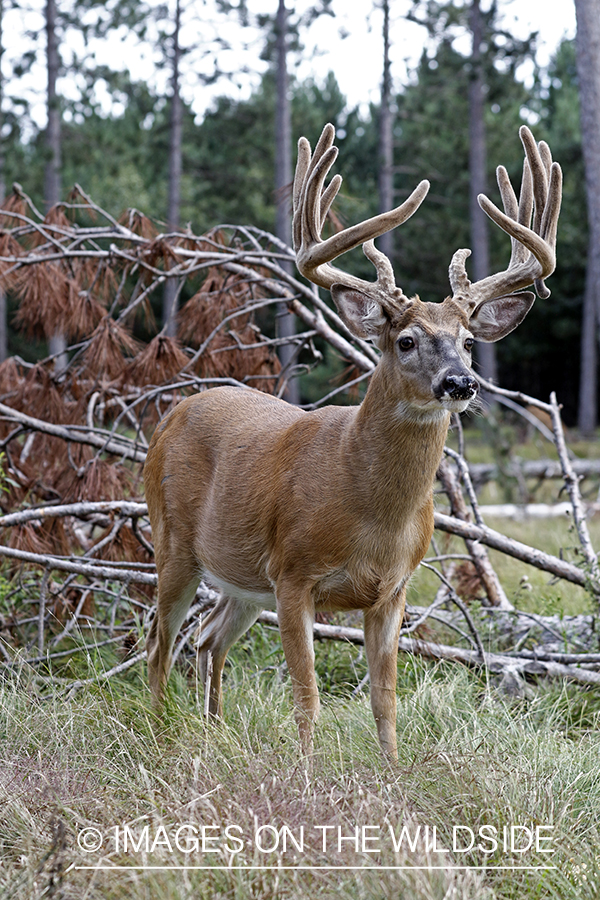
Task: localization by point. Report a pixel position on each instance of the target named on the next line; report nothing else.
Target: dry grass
(101, 759)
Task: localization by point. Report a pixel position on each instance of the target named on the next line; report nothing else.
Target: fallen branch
(107, 570)
(536, 468)
(487, 575)
(493, 662)
(545, 561)
(104, 676)
(81, 510)
(523, 511)
(117, 445)
(572, 482)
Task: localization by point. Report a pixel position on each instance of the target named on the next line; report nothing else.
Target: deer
(332, 509)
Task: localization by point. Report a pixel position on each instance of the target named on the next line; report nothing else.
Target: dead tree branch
(73, 442)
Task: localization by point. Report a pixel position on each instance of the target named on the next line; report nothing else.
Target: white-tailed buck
(333, 509)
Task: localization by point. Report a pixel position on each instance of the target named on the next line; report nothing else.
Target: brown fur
(327, 510)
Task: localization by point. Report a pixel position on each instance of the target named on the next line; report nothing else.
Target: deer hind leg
(177, 586)
(219, 631)
(382, 630)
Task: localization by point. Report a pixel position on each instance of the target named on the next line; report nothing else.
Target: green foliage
(228, 159)
(432, 142)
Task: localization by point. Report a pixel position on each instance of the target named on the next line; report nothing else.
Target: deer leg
(382, 629)
(224, 624)
(177, 585)
(296, 617)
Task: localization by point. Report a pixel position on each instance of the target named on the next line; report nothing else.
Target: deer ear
(360, 313)
(494, 319)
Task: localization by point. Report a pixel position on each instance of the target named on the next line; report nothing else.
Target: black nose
(460, 387)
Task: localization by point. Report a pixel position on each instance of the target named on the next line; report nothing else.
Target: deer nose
(460, 387)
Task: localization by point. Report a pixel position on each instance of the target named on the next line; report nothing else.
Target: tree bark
(52, 180)
(52, 185)
(175, 153)
(588, 70)
(3, 324)
(486, 353)
(386, 144)
(588, 369)
(286, 321)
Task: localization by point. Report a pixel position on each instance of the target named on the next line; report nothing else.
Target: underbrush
(77, 768)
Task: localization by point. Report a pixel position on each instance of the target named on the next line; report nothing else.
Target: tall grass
(468, 757)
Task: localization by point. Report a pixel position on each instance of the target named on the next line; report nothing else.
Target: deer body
(324, 510)
(372, 523)
(265, 495)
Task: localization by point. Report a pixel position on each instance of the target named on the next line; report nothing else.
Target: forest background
(129, 143)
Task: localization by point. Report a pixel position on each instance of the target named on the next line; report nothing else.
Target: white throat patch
(406, 412)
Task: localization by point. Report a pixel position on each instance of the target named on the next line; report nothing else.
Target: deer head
(430, 343)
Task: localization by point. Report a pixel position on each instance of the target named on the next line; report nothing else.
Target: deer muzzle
(458, 387)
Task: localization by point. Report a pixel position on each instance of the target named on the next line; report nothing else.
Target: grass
(101, 759)
(470, 758)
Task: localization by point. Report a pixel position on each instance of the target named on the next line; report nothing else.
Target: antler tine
(521, 211)
(539, 175)
(546, 155)
(385, 272)
(550, 222)
(539, 159)
(511, 208)
(525, 207)
(311, 196)
(329, 195)
(533, 246)
(305, 214)
(311, 205)
(302, 165)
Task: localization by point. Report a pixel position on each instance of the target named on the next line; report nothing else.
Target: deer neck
(400, 447)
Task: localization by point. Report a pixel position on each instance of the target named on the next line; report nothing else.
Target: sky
(355, 58)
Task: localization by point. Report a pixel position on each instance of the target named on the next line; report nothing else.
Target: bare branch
(572, 483)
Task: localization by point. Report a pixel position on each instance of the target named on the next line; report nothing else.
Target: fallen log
(497, 663)
(518, 511)
(536, 468)
(545, 561)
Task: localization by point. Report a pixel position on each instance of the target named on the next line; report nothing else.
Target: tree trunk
(588, 70)
(586, 415)
(174, 196)
(3, 324)
(477, 168)
(52, 186)
(386, 140)
(286, 321)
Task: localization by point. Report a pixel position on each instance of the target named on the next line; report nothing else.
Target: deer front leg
(382, 629)
(295, 611)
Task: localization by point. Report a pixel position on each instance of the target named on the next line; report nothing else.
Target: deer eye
(469, 344)
(406, 343)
